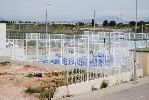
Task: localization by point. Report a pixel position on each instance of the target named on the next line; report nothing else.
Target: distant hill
(98, 19)
(101, 19)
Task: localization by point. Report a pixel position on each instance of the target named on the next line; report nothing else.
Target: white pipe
(61, 51)
(74, 52)
(26, 44)
(88, 58)
(37, 47)
(49, 47)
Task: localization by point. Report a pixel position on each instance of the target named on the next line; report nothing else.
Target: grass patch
(32, 90)
(43, 94)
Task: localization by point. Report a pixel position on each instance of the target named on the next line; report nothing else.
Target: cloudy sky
(71, 9)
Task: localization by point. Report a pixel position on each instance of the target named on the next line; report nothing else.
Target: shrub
(104, 84)
(5, 63)
(29, 75)
(43, 92)
(31, 90)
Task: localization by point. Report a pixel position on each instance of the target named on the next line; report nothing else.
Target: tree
(132, 23)
(92, 22)
(112, 23)
(81, 24)
(105, 23)
(120, 25)
(140, 23)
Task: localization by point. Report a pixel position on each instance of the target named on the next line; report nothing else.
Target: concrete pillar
(2, 35)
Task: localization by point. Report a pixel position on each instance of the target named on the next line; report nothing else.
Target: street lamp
(46, 30)
(46, 19)
(122, 22)
(135, 43)
(94, 26)
(94, 20)
(146, 36)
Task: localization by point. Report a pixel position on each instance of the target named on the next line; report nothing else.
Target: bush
(104, 84)
(44, 94)
(5, 63)
(31, 90)
(29, 75)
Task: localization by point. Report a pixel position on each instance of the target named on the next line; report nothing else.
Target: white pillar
(37, 48)
(2, 35)
(46, 51)
(88, 59)
(74, 52)
(61, 51)
(49, 47)
(13, 53)
(26, 44)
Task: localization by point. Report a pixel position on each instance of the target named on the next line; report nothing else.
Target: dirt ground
(13, 82)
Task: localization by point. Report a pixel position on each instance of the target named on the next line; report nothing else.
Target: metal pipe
(46, 32)
(135, 44)
(94, 21)
(46, 35)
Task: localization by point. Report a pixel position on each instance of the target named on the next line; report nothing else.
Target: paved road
(137, 93)
(127, 91)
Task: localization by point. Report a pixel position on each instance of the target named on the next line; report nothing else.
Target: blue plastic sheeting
(45, 61)
(55, 61)
(99, 60)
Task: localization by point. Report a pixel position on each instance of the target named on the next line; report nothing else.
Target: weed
(93, 88)
(29, 75)
(104, 84)
(5, 63)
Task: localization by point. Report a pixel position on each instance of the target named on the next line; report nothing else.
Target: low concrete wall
(58, 95)
(42, 65)
(84, 87)
(3, 35)
(140, 73)
(4, 58)
(127, 76)
(5, 52)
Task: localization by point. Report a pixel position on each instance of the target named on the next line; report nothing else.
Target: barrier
(4, 58)
(83, 87)
(140, 73)
(41, 65)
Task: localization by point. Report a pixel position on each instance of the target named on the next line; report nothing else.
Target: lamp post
(135, 43)
(94, 20)
(122, 21)
(49, 98)
(46, 30)
(146, 36)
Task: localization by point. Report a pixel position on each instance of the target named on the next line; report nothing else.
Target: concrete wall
(84, 87)
(5, 52)
(37, 64)
(4, 58)
(147, 65)
(2, 35)
(143, 61)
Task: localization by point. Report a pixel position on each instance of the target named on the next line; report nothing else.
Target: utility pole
(142, 28)
(146, 37)
(94, 20)
(46, 31)
(135, 44)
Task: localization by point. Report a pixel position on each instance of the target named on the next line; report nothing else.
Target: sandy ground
(13, 81)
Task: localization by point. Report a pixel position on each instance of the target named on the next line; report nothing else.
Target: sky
(67, 10)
